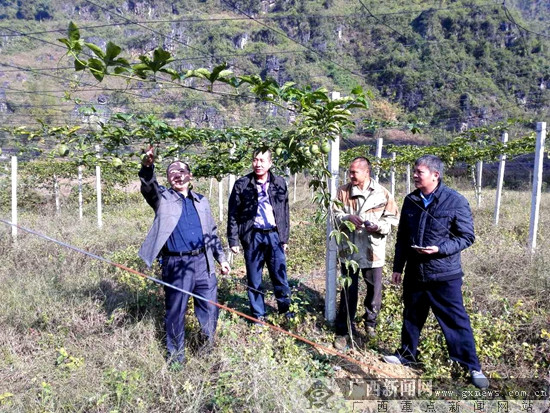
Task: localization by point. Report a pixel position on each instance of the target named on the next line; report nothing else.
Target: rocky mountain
(451, 64)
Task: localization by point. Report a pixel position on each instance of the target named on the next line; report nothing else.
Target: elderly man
(436, 225)
(372, 211)
(184, 235)
(259, 218)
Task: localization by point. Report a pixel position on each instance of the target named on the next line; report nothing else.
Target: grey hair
(432, 162)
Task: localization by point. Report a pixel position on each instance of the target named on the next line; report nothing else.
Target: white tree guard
(537, 186)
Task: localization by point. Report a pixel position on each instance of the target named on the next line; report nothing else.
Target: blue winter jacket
(446, 223)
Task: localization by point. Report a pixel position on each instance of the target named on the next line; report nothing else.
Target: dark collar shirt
(187, 236)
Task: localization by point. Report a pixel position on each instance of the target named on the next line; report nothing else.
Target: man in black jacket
(436, 224)
(258, 217)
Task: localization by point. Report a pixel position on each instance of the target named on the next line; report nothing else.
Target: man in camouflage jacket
(372, 211)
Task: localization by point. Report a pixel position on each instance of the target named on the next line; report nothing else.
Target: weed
(54, 301)
(124, 386)
(66, 361)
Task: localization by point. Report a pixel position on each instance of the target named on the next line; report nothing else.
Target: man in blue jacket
(258, 217)
(436, 224)
(184, 235)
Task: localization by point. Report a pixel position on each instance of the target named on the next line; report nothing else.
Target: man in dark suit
(258, 217)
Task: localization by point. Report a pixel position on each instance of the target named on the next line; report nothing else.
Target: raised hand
(148, 158)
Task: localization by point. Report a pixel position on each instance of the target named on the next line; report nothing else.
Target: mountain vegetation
(77, 334)
(450, 65)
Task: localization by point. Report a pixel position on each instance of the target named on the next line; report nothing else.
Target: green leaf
(201, 73)
(173, 73)
(112, 51)
(65, 42)
(118, 70)
(87, 110)
(349, 225)
(161, 55)
(253, 79)
(74, 33)
(73, 130)
(225, 73)
(96, 49)
(145, 60)
(140, 66)
(352, 247)
(217, 70)
(79, 65)
(288, 85)
(97, 68)
(122, 62)
(357, 90)
(345, 281)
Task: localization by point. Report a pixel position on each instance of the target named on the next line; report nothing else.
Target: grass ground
(79, 335)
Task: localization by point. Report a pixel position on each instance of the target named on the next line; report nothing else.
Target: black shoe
(289, 315)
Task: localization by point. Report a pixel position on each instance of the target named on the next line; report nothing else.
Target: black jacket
(243, 205)
(447, 223)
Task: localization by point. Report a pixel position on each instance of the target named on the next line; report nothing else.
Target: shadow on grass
(232, 291)
(127, 304)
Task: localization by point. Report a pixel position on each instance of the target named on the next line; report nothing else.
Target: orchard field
(79, 335)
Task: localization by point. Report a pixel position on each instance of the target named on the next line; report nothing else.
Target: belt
(265, 230)
(198, 251)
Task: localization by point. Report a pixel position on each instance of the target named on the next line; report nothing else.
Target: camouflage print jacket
(378, 206)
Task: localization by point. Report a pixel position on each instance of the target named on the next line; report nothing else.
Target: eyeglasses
(178, 171)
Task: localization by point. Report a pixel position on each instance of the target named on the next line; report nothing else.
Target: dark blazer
(167, 205)
(447, 223)
(243, 205)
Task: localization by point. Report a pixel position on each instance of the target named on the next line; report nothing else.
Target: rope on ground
(321, 347)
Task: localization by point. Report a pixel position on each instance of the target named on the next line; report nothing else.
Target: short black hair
(178, 161)
(262, 150)
(362, 159)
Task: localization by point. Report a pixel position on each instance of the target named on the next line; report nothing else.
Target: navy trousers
(266, 249)
(190, 273)
(445, 300)
(350, 295)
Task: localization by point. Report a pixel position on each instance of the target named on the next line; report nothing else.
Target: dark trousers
(266, 249)
(189, 273)
(350, 295)
(445, 300)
